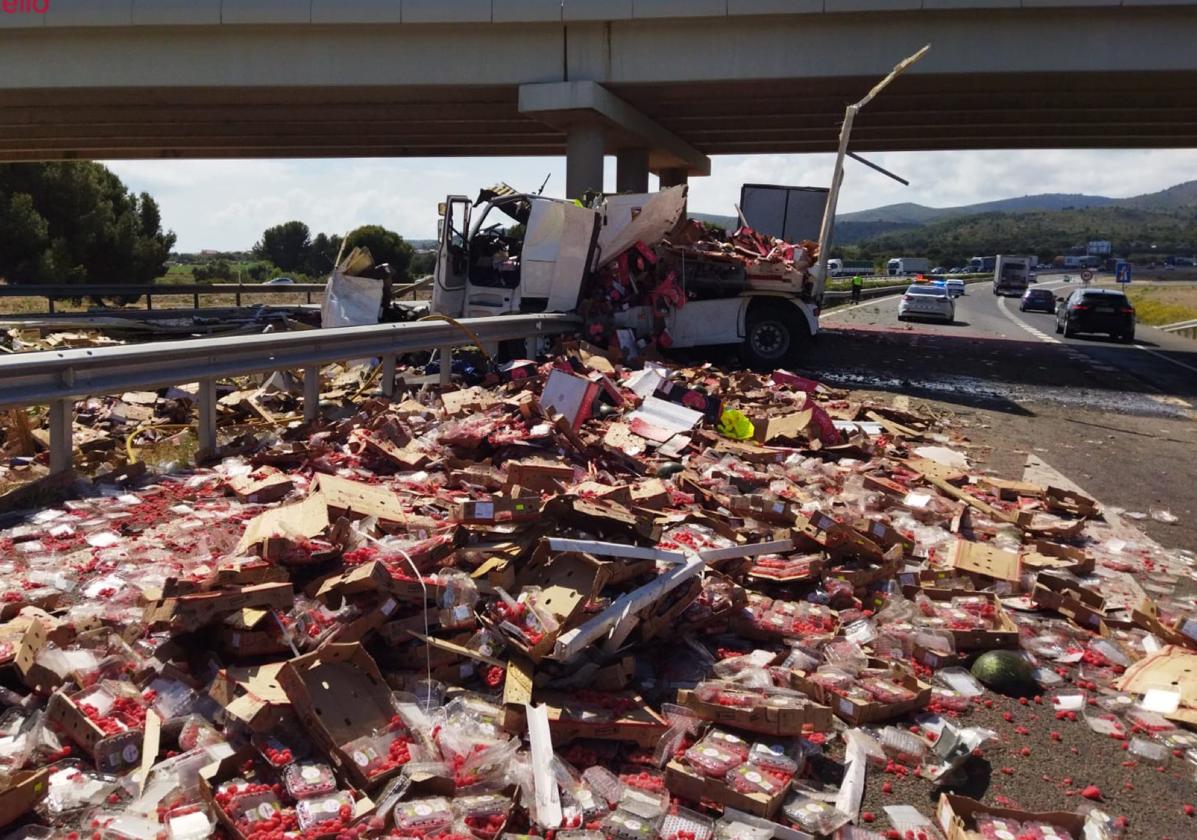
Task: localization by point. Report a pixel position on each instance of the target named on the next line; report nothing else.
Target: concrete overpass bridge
(661, 84)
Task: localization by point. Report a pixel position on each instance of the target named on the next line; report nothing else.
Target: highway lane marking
(1023, 325)
(1166, 358)
(840, 309)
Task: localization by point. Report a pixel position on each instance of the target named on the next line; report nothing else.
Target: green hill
(1045, 233)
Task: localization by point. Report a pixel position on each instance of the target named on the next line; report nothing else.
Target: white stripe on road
(1166, 358)
(1023, 325)
(840, 309)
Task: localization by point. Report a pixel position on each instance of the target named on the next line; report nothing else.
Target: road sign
(1086, 276)
(1122, 272)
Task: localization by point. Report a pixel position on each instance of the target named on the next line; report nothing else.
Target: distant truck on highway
(902, 266)
(981, 265)
(1011, 275)
(849, 268)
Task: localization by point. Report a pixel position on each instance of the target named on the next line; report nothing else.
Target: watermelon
(669, 468)
(1004, 671)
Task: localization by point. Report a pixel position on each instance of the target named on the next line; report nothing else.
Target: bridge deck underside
(920, 112)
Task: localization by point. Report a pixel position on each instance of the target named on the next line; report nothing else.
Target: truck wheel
(772, 336)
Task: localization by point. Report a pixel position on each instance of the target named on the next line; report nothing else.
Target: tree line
(75, 223)
(1046, 234)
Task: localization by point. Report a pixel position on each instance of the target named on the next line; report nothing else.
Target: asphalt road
(1117, 419)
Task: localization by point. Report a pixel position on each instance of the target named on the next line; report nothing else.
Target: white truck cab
(487, 266)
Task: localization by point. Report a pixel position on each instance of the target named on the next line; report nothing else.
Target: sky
(226, 204)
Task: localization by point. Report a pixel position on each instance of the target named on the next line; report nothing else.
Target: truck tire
(773, 335)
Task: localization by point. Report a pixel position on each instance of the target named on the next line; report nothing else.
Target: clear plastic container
(309, 779)
(903, 746)
(773, 757)
(323, 808)
(998, 828)
(728, 741)
(684, 824)
(960, 680)
(749, 779)
(1150, 751)
(813, 815)
(423, 816)
(712, 759)
(621, 825)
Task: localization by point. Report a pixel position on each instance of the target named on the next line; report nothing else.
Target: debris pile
(587, 601)
(695, 262)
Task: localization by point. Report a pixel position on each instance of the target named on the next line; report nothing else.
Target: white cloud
(227, 204)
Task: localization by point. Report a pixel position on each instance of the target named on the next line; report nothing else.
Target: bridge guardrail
(1186, 329)
(60, 377)
(51, 293)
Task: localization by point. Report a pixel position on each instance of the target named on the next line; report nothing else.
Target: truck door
(559, 248)
(452, 257)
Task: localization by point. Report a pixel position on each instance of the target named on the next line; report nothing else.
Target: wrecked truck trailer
(637, 271)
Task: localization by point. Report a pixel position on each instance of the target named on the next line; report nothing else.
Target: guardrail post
(62, 445)
(446, 356)
(149, 301)
(195, 299)
(206, 405)
(237, 296)
(309, 296)
(388, 376)
(311, 393)
(50, 301)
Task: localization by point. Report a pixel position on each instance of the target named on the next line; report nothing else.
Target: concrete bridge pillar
(584, 145)
(674, 177)
(631, 170)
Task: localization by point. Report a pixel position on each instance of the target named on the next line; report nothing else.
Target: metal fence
(1186, 329)
(194, 290)
(60, 377)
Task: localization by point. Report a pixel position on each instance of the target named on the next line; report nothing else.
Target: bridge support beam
(584, 148)
(631, 170)
(594, 118)
(673, 177)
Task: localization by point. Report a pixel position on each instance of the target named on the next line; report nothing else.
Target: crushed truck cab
(632, 267)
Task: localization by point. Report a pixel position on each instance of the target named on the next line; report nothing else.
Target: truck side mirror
(441, 209)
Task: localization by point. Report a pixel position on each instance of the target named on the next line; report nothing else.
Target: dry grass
(1156, 305)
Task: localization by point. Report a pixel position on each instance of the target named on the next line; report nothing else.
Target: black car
(1096, 311)
(1042, 300)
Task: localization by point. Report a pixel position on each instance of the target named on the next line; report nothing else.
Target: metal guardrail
(1186, 329)
(60, 377)
(52, 293)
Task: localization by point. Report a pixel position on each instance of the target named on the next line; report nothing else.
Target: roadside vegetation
(1158, 305)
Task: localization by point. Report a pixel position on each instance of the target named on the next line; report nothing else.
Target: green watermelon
(669, 468)
(1004, 671)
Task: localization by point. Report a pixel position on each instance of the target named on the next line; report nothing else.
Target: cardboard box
(857, 712)
(1046, 555)
(570, 396)
(566, 584)
(777, 511)
(571, 716)
(261, 489)
(957, 817)
(539, 475)
(813, 717)
(25, 789)
(787, 428)
(374, 578)
(251, 695)
(687, 783)
(498, 509)
(112, 753)
(985, 560)
(191, 612)
(1003, 634)
(339, 695)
